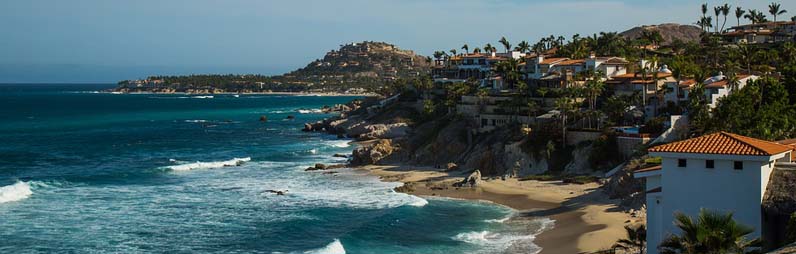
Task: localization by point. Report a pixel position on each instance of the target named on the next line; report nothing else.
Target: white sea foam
(502, 220)
(335, 247)
(507, 241)
(310, 111)
(418, 202)
(196, 121)
(209, 165)
(338, 143)
(15, 192)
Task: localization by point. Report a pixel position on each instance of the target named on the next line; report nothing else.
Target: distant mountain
(669, 32)
(353, 68)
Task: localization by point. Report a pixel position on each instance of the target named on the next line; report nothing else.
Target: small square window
(738, 165)
(682, 163)
(709, 164)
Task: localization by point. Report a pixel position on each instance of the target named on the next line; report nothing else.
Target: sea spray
(15, 192)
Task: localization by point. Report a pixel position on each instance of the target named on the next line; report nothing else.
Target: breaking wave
(209, 165)
(15, 192)
(501, 220)
(335, 247)
(339, 143)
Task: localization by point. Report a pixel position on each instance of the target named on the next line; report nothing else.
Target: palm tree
(712, 233)
(466, 48)
(717, 11)
(438, 54)
(523, 47)
(706, 23)
(704, 10)
(636, 240)
(739, 14)
(453, 52)
(725, 11)
(564, 106)
(489, 48)
(751, 16)
(506, 44)
(773, 8)
(476, 50)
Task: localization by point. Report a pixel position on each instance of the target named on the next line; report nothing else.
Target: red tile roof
(661, 75)
(573, 62)
(687, 83)
(724, 143)
(717, 84)
(553, 60)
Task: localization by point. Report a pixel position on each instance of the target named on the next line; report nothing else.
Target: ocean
(89, 172)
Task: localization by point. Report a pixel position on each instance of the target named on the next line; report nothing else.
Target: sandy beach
(585, 219)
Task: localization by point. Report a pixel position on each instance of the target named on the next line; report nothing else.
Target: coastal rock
(320, 166)
(382, 131)
(373, 153)
(579, 165)
(451, 167)
(263, 118)
(473, 180)
(340, 155)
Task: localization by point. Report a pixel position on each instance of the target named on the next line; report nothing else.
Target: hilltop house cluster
(764, 32)
(543, 71)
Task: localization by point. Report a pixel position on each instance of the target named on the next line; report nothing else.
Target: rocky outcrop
(385, 131)
(373, 153)
(669, 32)
(580, 162)
(779, 203)
(451, 167)
(472, 180)
(622, 185)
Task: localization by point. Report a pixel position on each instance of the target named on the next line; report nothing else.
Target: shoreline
(250, 93)
(585, 219)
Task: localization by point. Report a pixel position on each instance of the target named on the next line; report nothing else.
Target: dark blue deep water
(87, 172)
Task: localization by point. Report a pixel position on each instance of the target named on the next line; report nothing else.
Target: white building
(720, 172)
(719, 86)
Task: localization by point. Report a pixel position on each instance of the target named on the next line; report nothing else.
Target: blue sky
(109, 40)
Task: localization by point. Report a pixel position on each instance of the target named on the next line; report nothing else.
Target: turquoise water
(94, 172)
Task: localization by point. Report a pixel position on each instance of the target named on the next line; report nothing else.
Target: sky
(104, 41)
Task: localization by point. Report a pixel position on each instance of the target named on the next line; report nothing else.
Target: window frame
(735, 165)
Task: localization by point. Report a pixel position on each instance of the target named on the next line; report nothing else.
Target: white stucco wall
(722, 188)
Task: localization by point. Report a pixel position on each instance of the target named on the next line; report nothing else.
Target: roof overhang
(709, 156)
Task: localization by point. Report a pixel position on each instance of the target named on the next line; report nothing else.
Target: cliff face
(669, 32)
(778, 205)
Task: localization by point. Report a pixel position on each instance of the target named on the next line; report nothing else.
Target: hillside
(669, 32)
(353, 68)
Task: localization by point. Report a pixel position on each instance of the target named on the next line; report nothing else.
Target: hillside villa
(721, 172)
(766, 32)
